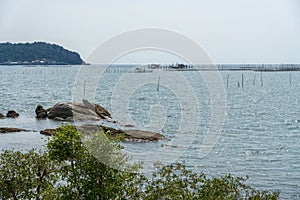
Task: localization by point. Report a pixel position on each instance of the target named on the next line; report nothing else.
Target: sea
(243, 123)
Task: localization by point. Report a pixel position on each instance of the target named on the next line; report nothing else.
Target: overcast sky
(231, 31)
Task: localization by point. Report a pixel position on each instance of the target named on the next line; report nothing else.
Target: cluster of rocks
(84, 111)
(71, 111)
(10, 114)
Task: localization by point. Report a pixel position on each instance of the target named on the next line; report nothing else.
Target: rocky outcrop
(40, 112)
(87, 111)
(1, 116)
(129, 135)
(71, 111)
(12, 130)
(12, 114)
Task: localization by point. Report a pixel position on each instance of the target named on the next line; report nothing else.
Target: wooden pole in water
(158, 84)
(261, 79)
(254, 79)
(242, 80)
(227, 80)
(290, 78)
(238, 84)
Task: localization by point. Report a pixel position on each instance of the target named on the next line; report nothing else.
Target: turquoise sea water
(260, 136)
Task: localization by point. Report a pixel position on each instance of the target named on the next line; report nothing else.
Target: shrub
(68, 169)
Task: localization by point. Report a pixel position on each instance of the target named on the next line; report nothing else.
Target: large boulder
(60, 110)
(12, 114)
(71, 111)
(40, 112)
(129, 135)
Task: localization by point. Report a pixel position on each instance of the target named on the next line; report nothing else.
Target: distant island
(37, 53)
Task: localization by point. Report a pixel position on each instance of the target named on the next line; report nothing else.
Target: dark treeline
(37, 53)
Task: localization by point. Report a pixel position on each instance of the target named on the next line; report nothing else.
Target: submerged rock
(12, 114)
(12, 130)
(71, 111)
(129, 135)
(138, 135)
(48, 132)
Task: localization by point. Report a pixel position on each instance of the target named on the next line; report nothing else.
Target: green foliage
(176, 182)
(75, 166)
(66, 145)
(84, 175)
(26, 175)
(50, 53)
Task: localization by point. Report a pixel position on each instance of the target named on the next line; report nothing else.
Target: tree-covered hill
(37, 53)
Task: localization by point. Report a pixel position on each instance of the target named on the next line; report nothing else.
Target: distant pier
(202, 67)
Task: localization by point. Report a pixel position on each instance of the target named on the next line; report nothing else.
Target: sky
(231, 31)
